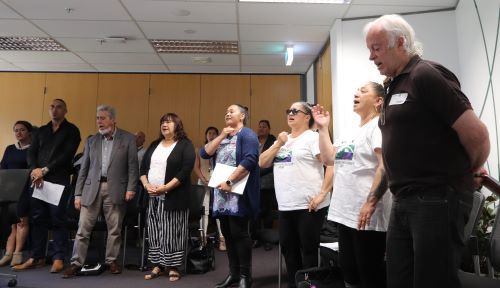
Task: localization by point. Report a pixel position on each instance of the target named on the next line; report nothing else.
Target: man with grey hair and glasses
(107, 179)
(432, 144)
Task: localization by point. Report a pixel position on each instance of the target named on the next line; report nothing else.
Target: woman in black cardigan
(166, 174)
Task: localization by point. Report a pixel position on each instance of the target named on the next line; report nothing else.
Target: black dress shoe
(245, 282)
(228, 282)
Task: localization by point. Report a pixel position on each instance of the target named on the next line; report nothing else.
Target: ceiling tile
(204, 69)
(377, 10)
(275, 69)
(211, 12)
(186, 59)
(202, 31)
(39, 57)
(287, 33)
(11, 27)
(9, 67)
(130, 68)
(300, 48)
(93, 45)
(275, 60)
(6, 12)
(122, 58)
(63, 67)
(90, 29)
(436, 3)
(82, 10)
(291, 14)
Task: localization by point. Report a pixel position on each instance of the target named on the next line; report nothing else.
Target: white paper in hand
(49, 192)
(221, 174)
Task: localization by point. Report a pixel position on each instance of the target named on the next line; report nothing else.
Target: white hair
(395, 26)
(106, 108)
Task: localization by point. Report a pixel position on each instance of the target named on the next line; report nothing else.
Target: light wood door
(324, 81)
(271, 96)
(179, 94)
(79, 91)
(129, 95)
(217, 93)
(22, 99)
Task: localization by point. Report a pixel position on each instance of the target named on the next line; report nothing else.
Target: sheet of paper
(334, 245)
(221, 174)
(49, 192)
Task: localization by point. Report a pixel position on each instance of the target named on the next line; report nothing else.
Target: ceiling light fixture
(289, 56)
(30, 44)
(113, 39)
(195, 46)
(201, 59)
(302, 1)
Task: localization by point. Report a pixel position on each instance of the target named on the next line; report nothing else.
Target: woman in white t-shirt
(359, 203)
(301, 184)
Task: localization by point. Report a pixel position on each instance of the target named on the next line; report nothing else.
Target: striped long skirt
(167, 234)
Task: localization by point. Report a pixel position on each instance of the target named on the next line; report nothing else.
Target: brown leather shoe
(114, 268)
(71, 271)
(29, 264)
(57, 266)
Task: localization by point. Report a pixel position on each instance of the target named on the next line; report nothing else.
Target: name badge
(398, 99)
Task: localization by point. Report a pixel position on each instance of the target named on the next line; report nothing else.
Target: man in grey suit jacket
(107, 179)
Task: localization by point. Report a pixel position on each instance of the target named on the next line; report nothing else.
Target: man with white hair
(432, 145)
(107, 179)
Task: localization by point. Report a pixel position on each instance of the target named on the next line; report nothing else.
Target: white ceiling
(262, 29)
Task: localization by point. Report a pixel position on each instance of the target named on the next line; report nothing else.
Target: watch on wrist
(229, 182)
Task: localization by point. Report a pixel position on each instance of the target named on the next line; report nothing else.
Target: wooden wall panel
(271, 96)
(129, 94)
(79, 91)
(217, 93)
(324, 80)
(22, 99)
(179, 94)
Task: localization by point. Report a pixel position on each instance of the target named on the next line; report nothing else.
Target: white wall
(473, 49)
(351, 67)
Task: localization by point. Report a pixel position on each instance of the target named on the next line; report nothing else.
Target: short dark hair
(267, 123)
(179, 133)
(62, 101)
(208, 129)
(26, 124)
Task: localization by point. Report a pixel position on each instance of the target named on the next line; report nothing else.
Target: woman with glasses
(302, 185)
(236, 146)
(358, 202)
(166, 175)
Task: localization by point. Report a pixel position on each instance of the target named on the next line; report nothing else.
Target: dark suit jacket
(123, 169)
(180, 163)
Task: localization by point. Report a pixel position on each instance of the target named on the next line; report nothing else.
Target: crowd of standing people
(411, 237)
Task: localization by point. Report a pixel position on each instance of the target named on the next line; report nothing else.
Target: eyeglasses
(294, 111)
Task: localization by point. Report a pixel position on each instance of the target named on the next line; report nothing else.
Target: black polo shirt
(54, 150)
(418, 144)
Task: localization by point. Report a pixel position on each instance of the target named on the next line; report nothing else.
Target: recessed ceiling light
(302, 1)
(189, 31)
(181, 12)
(195, 46)
(30, 44)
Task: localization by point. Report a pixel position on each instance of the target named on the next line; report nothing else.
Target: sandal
(174, 275)
(155, 273)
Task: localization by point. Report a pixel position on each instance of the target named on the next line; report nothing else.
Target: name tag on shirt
(398, 99)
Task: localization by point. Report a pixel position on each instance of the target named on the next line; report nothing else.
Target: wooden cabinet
(22, 99)
(129, 95)
(177, 93)
(271, 96)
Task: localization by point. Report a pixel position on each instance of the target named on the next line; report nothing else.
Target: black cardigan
(179, 165)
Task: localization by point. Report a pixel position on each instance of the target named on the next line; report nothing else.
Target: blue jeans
(425, 237)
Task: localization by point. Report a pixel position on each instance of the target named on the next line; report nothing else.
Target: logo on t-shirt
(283, 156)
(345, 152)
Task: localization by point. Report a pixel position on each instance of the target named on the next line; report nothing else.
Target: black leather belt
(103, 179)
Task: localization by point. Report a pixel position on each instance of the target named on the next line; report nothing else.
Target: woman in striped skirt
(165, 174)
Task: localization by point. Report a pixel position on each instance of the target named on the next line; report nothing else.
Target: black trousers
(236, 231)
(361, 256)
(425, 237)
(299, 239)
(45, 216)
